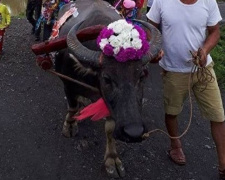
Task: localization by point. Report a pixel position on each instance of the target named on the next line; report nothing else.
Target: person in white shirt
(190, 31)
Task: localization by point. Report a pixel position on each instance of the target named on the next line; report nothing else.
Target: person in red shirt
(139, 5)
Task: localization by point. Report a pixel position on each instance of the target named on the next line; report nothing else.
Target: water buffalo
(120, 84)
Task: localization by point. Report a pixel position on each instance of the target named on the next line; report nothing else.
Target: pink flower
(131, 53)
(121, 56)
(108, 50)
(106, 33)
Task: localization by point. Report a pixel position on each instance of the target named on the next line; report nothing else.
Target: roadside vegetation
(218, 55)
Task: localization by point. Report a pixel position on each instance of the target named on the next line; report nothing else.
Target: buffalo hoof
(114, 168)
(70, 129)
(74, 129)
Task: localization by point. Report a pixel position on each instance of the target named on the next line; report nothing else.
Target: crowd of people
(181, 34)
(43, 13)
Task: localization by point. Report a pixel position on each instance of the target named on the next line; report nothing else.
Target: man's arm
(153, 23)
(210, 42)
(212, 38)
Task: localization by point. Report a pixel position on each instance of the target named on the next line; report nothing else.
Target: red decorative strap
(61, 21)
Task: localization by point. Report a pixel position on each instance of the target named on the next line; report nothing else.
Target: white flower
(118, 28)
(116, 50)
(124, 36)
(127, 44)
(134, 33)
(128, 26)
(136, 43)
(115, 41)
(103, 43)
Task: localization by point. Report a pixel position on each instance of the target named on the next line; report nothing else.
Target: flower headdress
(123, 40)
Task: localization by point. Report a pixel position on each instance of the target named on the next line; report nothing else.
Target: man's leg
(29, 15)
(211, 106)
(176, 152)
(37, 33)
(37, 10)
(47, 31)
(218, 134)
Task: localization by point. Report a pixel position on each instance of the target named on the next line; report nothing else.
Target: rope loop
(204, 76)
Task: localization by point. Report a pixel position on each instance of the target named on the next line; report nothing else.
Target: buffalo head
(120, 83)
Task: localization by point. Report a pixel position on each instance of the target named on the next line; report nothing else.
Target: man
(5, 20)
(189, 26)
(33, 12)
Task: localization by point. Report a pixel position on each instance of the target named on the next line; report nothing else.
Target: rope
(147, 135)
(73, 80)
(204, 76)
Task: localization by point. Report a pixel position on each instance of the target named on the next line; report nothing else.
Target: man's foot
(177, 156)
(222, 174)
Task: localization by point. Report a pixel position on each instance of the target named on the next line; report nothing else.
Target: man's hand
(158, 57)
(199, 57)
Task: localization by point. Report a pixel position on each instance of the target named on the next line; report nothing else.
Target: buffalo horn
(82, 53)
(155, 41)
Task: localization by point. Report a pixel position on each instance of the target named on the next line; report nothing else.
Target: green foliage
(20, 15)
(218, 55)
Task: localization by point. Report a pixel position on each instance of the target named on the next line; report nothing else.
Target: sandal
(222, 174)
(177, 156)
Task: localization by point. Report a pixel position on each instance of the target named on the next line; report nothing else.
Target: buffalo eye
(106, 79)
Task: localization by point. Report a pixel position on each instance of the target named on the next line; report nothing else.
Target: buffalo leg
(75, 103)
(113, 164)
(70, 127)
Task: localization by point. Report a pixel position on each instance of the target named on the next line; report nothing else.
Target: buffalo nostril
(134, 130)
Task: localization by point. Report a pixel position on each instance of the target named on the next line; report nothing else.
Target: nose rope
(204, 76)
(147, 135)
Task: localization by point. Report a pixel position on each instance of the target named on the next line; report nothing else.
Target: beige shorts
(176, 91)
